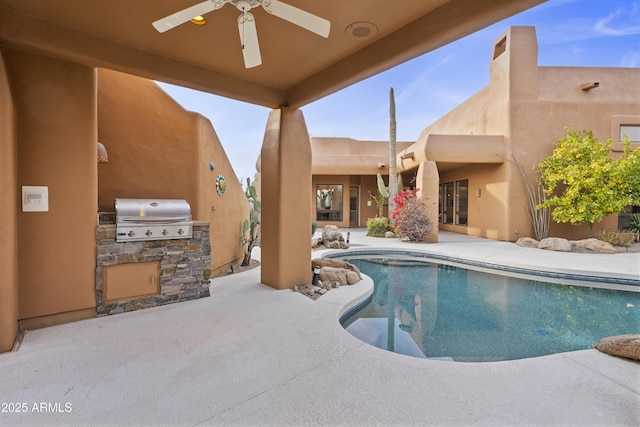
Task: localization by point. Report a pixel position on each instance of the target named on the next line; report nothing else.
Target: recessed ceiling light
(198, 20)
(362, 29)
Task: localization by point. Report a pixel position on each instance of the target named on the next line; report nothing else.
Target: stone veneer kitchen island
(181, 269)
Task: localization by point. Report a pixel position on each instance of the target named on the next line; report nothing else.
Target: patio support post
(428, 182)
(8, 214)
(286, 200)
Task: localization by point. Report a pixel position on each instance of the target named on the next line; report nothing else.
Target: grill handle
(157, 220)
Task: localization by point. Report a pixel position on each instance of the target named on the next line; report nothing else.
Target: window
(632, 131)
(329, 202)
(440, 202)
(500, 47)
(462, 202)
(624, 217)
(447, 206)
(454, 202)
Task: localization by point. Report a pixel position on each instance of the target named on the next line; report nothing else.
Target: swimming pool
(442, 310)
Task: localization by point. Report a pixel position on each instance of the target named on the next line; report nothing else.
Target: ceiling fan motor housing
(245, 5)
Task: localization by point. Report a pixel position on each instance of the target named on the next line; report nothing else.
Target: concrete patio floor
(251, 355)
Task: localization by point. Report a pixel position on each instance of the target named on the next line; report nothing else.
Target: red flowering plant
(400, 200)
(410, 217)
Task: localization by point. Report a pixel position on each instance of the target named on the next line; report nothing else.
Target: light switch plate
(35, 198)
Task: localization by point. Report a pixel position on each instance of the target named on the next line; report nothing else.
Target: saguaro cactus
(383, 194)
(251, 225)
(393, 170)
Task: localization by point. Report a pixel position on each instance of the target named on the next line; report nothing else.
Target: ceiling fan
(247, 23)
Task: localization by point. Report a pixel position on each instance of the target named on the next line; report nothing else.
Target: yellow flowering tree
(583, 183)
(630, 172)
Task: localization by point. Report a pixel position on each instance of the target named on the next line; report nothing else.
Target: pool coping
(624, 283)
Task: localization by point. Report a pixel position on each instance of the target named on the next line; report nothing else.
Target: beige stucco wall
(226, 212)
(427, 181)
(157, 149)
(487, 213)
(8, 215)
(55, 109)
(346, 156)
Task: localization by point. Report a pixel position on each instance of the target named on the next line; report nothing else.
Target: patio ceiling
(298, 66)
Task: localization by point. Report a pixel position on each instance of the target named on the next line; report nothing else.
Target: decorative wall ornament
(212, 166)
(221, 184)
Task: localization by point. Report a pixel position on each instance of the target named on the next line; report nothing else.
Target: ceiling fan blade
(178, 18)
(249, 40)
(299, 17)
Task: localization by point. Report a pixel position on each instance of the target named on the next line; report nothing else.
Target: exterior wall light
(316, 275)
(198, 20)
(103, 157)
(589, 85)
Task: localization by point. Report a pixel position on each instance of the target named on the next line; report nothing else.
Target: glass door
(354, 206)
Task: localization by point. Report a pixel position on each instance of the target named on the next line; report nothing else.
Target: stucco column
(8, 215)
(286, 200)
(428, 181)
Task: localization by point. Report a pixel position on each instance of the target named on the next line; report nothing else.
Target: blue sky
(591, 33)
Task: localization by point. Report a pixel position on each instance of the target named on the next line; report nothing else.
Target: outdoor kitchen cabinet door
(128, 281)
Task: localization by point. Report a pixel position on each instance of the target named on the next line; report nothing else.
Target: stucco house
(466, 160)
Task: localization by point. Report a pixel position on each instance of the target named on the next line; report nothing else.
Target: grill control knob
(165, 232)
(181, 231)
(131, 233)
(148, 233)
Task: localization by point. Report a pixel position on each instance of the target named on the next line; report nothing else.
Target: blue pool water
(428, 309)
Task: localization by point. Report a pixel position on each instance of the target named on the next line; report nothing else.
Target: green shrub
(634, 225)
(618, 238)
(377, 227)
(314, 227)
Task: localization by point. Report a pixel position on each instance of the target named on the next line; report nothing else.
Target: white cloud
(421, 80)
(624, 21)
(631, 59)
(573, 28)
(576, 50)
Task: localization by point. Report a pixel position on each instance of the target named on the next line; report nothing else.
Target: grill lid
(152, 210)
(152, 219)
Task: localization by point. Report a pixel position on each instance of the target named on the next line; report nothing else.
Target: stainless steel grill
(152, 219)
